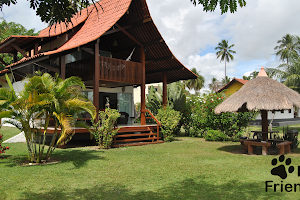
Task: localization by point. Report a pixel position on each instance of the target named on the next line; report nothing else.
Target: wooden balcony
(113, 72)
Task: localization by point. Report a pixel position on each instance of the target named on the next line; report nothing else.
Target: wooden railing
(111, 69)
(152, 116)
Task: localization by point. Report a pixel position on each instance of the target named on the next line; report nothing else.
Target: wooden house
(113, 46)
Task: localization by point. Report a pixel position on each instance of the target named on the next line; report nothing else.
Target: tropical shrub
(103, 130)
(169, 119)
(176, 100)
(216, 135)
(204, 118)
(45, 97)
(2, 148)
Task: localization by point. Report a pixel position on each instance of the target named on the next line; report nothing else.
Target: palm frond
(72, 81)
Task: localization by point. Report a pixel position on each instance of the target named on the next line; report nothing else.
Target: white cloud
(22, 14)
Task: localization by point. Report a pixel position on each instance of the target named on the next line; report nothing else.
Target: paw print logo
(280, 170)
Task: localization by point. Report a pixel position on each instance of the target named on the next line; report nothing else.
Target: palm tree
(215, 85)
(287, 48)
(45, 97)
(253, 74)
(225, 52)
(289, 74)
(195, 84)
(225, 81)
(247, 78)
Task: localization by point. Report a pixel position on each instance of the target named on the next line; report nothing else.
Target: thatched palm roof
(261, 93)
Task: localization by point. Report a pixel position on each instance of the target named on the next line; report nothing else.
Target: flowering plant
(2, 148)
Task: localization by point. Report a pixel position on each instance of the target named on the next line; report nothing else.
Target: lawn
(188, 168)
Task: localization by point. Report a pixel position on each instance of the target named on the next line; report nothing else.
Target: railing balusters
(111, 69)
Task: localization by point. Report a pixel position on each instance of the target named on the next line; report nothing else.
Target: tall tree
(287, 48)
(210, 5)
(215, 85)
(225, 81)
(289, 74)
(225, 52)
(247, 78)
(195, 84)
(254, 74)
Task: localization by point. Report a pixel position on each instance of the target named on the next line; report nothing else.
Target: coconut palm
(253, 74)
(247, 78)
(195, 84)
(215, 85)
(225, 81)
(287, 48)
(45, 97)
(225, 52)
(289, 74)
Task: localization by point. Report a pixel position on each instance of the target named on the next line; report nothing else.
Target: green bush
(169, 119)
(103, 130)
(216, 135)
(203, 117)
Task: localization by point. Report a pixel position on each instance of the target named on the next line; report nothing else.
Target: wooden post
(264, 124)
(96, 78)
(165, 89)
(143, 104)
(15, 57)
(35, 50)
(62, 67)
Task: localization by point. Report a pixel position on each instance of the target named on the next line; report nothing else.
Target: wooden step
(135, 129)
(137, 139)
(136, 144)
(135, 135)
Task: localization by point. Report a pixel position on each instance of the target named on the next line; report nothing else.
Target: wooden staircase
(136, 136)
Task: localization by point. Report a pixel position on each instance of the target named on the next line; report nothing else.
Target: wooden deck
(128, 134)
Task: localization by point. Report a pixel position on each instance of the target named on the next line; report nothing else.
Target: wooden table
(265, 132)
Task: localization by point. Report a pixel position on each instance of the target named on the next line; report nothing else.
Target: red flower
(0, 151)
(222, 97)
(7, 147)
(211, 101)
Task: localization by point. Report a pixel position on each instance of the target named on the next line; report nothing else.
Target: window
(125, 102)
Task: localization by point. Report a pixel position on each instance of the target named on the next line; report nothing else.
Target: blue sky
(192, 34)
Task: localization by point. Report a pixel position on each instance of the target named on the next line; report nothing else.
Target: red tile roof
(62, 27)
(97, 23)
(242, 81)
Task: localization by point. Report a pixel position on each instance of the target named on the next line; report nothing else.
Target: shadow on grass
(235, 149)
(187, 189)
(79, 157)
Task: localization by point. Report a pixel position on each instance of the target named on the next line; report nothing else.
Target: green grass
(8, 132)
(188, 168)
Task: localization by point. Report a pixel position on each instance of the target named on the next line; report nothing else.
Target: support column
(35, 50)
(62, 67)
(96, 78)
(165, 98)
(264, 124)
(143, 103)
(15, 57)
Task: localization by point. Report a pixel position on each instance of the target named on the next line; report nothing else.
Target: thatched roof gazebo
(261, 93)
